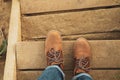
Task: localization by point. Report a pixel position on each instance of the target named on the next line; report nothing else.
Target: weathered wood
(93, 36)
(96, 74)
(105, 74)
(96, 36)
(28, 75)
(38, 6)
(2, 63)
(1, 5)
(74, 23)
(13, 37)
(30, 55)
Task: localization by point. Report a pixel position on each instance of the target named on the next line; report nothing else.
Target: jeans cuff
(59, 69)
(81, 74)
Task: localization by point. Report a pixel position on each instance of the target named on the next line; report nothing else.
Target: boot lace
(83, 63)
(54, 56)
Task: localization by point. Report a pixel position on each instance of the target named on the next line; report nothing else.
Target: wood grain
(93, 36)
(105, 54)
(96, 74)
(13, 37)
(74, 23)
(38, 6)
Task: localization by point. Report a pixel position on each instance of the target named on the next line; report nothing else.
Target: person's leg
(52, 73)
(82, 76)
(54, 57)
(82, 55)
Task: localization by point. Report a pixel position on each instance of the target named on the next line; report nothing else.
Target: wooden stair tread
(30, 55)
(93, 24)
(96, 74)
(39, 6)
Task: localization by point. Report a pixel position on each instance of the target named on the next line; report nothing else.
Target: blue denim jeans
(55, 73)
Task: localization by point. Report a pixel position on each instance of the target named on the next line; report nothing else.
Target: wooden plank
(28, 75)
(74, 23)
(13, 37)
(1, 2)
(96, 74)
(55, 5)
(96, 36)
(2, 63)
(31, 55)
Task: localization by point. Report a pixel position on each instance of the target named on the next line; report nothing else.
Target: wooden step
(106, 54)
(96, 74)
(105, 59)
(95, 24)
(38, 6)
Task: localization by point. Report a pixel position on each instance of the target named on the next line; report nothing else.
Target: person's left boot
(82, 56)
(53, 49)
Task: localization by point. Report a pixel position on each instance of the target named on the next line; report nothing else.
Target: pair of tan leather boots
(53, 50)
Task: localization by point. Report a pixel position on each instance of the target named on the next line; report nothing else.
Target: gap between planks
(69, 11)
(114, 35)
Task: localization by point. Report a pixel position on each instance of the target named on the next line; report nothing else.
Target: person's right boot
(82, 55)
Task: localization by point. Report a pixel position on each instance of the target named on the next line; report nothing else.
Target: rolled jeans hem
(59, 69)
(81, 74)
